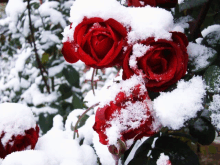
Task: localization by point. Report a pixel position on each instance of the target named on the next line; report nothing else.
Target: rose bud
(97, 42)
(162, 62)
(127, 117)
(18, 129)
(153, 3)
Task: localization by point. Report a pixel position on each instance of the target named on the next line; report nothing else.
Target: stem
(76, 125)
(201, 17)
(92, 81)
(41, 67)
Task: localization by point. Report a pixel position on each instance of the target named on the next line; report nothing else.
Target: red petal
(117, 26)
(69, 52)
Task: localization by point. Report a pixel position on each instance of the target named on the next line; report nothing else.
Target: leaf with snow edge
(214, 108)
(200, 56)
(188, 4)
(212, 39)
(212, 79)
(141, 153)
(178, 151)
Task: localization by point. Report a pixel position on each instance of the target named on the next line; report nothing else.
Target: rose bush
(153, 3)
(129, 115)
(19, 142)
(97, 42)
(163, 64)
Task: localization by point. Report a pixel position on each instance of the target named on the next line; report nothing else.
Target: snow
(102, 151)
(176, 107)
(34, 96)
(210, 29)
(157, 26)
(139, 50)
(111, 89)
(199, 54)
(129, 118)
(14, 120)
(13, 9)
(163, 159)
(214, 108)
(47, 9)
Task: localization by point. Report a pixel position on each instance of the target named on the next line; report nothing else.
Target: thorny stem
(76, 125)
(41, 67)
(200, 19)
(92, 81)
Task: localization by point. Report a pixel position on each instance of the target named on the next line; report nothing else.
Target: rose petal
(69, 52)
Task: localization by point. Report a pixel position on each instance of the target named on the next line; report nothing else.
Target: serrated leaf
(212, 79)
(188, 4)
(71, 75)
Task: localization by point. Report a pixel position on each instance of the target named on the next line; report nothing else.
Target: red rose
(126, 117)
(163, 64)
(19, 142)
(98, 43)
(153, 3)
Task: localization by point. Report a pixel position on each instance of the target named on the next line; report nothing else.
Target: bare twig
(41, 67)
(76, 125)
(195, 30)
(92, 81)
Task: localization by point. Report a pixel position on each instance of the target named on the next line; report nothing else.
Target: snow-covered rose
(163, 64)
(127, 117)
(97, 42)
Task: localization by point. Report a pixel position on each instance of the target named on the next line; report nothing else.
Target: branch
(76, 125)
(195, 30)
(41, 67)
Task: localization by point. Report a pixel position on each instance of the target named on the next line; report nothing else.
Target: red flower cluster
(130, 112)
(153, 3)
(19, 142)
(103, 43)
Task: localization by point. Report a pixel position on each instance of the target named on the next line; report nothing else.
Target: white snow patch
(176, 107)
(14, 120)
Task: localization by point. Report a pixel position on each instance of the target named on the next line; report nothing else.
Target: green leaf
(71, 75)
(212, 79)
(45, 57)
(178, 151)
(77, 102)
(213, 40)
(141, 153)
(65, 91)
(203, 130)
(83, 120)
(188, 4)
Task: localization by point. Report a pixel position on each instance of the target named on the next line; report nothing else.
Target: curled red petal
(69, 52)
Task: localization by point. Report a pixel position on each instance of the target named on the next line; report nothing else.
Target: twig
(76, 125)
(201, 17)
(41, 67)
(92, 81)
